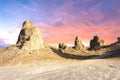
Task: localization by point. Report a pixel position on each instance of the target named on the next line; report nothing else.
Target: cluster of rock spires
(95, 44)
(30, 37)
(77, 45)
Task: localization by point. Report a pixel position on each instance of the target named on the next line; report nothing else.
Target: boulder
(101, 42)
(78, 44)
(30, 37)
(94, 43)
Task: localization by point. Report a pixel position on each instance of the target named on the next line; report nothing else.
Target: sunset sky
(61, 20)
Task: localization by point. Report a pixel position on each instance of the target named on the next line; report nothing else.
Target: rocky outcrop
(118, 39)
(30, 37)
(62, 46)
(101, 42)
(94, 43)
(78, 44)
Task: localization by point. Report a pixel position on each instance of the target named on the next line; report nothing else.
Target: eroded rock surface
(30, 37)
(94, 43)
(78, 44)
(62, 46)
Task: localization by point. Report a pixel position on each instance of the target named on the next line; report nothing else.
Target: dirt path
(105, 69)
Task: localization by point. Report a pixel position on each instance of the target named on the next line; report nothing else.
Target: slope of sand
(97, 69)
(50, 64)
(14, 56)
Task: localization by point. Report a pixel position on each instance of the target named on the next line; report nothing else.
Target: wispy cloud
(2, 43)
(84, 23)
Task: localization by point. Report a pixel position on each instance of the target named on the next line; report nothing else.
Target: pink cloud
(10, 32)
(84, 24)
(67, 33)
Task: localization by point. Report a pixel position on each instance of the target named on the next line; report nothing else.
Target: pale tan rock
(78, 44)
(101, 42)
(30, 37)
(27, 24)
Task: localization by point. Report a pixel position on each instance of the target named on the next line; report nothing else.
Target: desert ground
(93, 69)
(51, 64)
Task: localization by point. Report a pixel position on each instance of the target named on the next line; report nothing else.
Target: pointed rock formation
(30, 37)
(78, 44)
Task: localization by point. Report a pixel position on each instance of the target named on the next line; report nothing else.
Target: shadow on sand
(110, 54)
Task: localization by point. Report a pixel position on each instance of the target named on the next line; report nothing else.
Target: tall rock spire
(30, 37)
(78, 44)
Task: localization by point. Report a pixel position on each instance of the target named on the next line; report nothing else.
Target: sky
(61, 20)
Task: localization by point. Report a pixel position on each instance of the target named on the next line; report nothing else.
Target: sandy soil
(97, 69)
